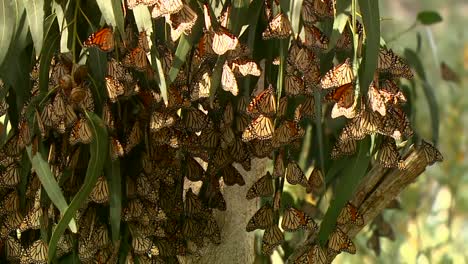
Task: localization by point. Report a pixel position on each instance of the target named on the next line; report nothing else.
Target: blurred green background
(433, 225)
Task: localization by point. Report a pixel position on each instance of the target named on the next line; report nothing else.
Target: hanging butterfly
(339, 241)
(100, 192)
(448, 74)
(165, 7)
(390, 63)
(350, 214)
(244, 67)
(374, 243)
(308, 13)
(116, 150)
(262, 219)
(279, 169)
(395, 124)
(261, 148)
(103, 39)
(160, 120)
(134, 138)
(315, 39)
(301, 59)
(279, 27)
(316, 181)
(13, 248)
(431, 153)
(392, 93)
(10, 223)
(136, 59)
(194, 171)
(323, 8)
(114, 88)
(261, 188)
(272, 238)
(339, 75)
(212, 231)
(228, 80)
(264, 103)
(81, 132)
(194, 120)
(294, 219)
(37, 253)
(343, 148)
(286, 133)
(314, 254)
(191, 228)
(181, 22)
(388, 155)
(294, 85)
(365, 123)
(9, 203)
(260, 128)
(232, 176)
(383, 228)
(295, 175)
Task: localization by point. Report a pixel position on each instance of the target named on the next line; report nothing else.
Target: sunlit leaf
(429, 17)
(35, 14)
(7, 26)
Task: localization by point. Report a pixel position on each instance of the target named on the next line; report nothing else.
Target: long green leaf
(47, 53)
(112, 12)
(98, 150)
(342, 8)
(183, 48)
(7, 26)
(371, 20)
(345, 189)
(35, 14)
(42, 169)
(428, 89)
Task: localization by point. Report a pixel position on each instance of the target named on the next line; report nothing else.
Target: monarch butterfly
(278, 170)
(343, 148)
(191, 228)
(295, 175)
(193, 204)
(133, 210)
(10, 176)
(390, 63)
(222, 41)
(388, 155)
(294, 219)
(314, 254)
(431, 153)
(182, 22)
(396, 124)
(141, 245)
(135, 137)
(261, 148)
(164, 7)
(147, 189)
(339, 75)
(294, 85)
(307, 12)
(322, 8)
(264, 103)
(316, 181)
(287, 132)
(343, 95)
(161, 120)
(315, 39)
(383, 228)
(376, 100)
(100, 192)
(9, 203)
(272, 238)
(36, 253)
(350, 214)
(103, 39)
(300, 58)
(228, 114)
(391, 93)
(261, 188)
(448, 74)
(349, 112)
(100, 238)
(31, 220)
(239, 151)
(88, 102)
(194, 120)
(143, 41)
(260, 128)
(116, 70)
(81, 132)
(339, 241)
(246, 67)
(212, 231)
(228, 80)
(13, 248)
(231, 176)
(136, 59)
(114, 88)
(262, 219)
(374, 243)
(3, 106)
(213, 194)
(10, 222)
(227, 136)
(194, 171)
(220, 159)
(116, 149)
(279, 27)
(365, 123)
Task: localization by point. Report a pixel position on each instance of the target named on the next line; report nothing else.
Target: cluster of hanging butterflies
(195, 138)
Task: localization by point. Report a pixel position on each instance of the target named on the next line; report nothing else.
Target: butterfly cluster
(179, 154)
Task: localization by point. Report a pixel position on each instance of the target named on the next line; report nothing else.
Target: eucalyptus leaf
(7, 26)
(35, 15)
(429, 17)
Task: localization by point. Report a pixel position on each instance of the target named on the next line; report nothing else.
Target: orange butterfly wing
(103, 39)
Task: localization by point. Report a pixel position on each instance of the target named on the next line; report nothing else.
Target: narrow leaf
(371, 20)
(98, 153)
(35, 14)
(7, 26)
(112, 12)
(42, 169)
(345, 189)
(429, 17)
(339, 23)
